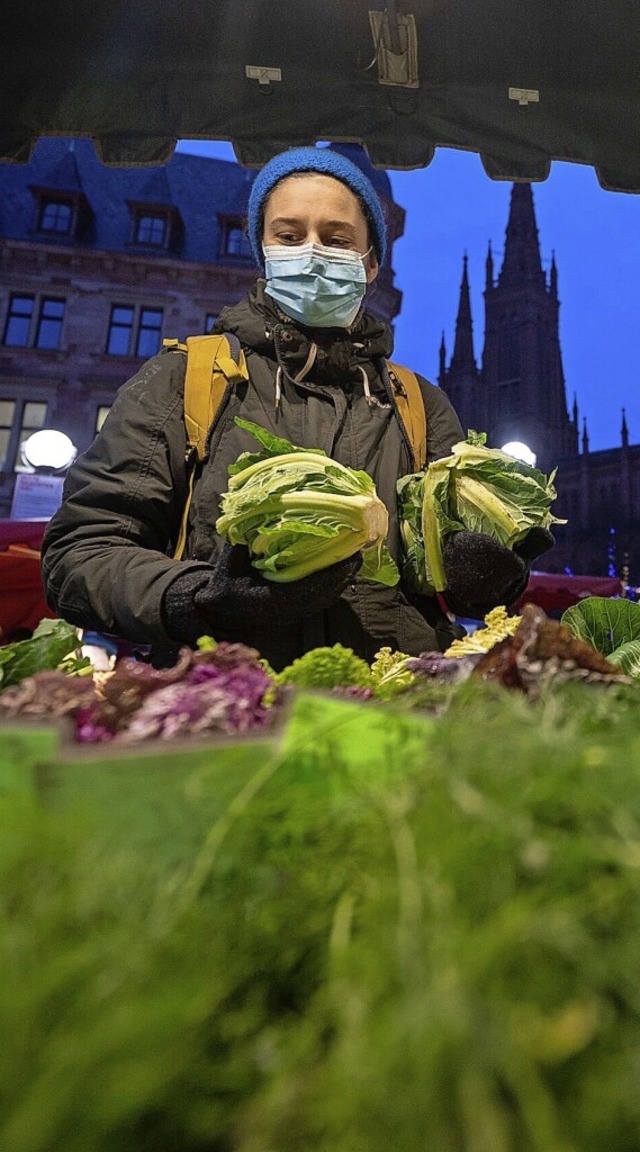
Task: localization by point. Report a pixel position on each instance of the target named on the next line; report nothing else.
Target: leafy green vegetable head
(612, 626)
(52, 642)
(299, 511)
(476, 488)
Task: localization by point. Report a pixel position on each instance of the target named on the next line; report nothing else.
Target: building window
(210, 320)
(18, 420)
(18, 328)
(18, 325)
(49, 330)
(151, 230)
(7, 413)
(154, 225)
(509, 349)
(508, 399)
(120, 329)
(129, 330)
(234, 242)
(149, 332)
(55, 216)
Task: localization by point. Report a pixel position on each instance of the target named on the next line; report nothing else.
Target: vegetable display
(382, 930)
(229, 689)
(299, 511)
(475, 488)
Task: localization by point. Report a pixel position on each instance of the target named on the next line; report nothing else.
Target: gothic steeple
(463, 357)
(489, 268)
(624, 430)
(521, 262)
(553, 277)
(443, 359)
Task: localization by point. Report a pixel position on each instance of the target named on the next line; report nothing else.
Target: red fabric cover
(29, 532)
(22, 603)
(555, 591)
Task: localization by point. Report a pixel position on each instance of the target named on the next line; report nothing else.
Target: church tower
(522, 374)
(462, 380)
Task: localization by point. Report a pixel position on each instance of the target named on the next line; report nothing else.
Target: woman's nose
(313, 236)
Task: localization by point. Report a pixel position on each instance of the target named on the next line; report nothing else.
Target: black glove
(482, 573)
(234, 596)
(537, 541)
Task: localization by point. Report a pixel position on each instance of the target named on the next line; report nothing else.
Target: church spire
(585, 437)
(624, 430)
(463, 357)
(443, 357)
(521, 262)
(553, 277)
(489, 268)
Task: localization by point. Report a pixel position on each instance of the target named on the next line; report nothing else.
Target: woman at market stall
(318, 376)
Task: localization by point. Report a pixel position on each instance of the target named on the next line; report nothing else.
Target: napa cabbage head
(299, 511)
(475, 488)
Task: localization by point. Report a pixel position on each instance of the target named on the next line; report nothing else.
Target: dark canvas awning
(521, 82)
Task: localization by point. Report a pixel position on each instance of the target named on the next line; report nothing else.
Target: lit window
(7, 413)
(50, 320)
(210, 320)
(151, 230)
(120, 329)
(55, 216)
(149, 332)
(17, 422)
(18, 325)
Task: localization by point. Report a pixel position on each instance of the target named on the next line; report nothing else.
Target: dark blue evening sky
(452, 207)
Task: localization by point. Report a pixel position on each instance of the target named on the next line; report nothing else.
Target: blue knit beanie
(327, 163)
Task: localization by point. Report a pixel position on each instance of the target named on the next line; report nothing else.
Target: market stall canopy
(522, 82)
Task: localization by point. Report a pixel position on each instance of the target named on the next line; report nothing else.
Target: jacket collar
(327, 356)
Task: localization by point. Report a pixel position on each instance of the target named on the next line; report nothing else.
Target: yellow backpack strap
(410, 407)
(211, 367)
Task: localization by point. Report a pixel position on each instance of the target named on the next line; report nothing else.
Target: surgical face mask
(317, 286)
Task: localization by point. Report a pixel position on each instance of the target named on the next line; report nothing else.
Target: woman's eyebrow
(280, 221)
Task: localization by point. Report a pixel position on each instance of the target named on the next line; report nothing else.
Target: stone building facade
(99, 264)
(518, 393)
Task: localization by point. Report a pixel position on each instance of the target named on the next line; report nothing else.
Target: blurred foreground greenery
(380, 931)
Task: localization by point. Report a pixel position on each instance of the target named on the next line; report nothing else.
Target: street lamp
(520, 451)
(37, 491)
(48, 450)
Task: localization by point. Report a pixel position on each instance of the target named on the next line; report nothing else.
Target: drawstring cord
(282, 371)
(372, 401)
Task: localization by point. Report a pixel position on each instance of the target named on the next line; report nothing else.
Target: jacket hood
(327, 356)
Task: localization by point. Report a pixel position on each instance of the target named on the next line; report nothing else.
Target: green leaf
(606, 623)
(383, 569)
(627, 658)
(272, 446)
(52, 640)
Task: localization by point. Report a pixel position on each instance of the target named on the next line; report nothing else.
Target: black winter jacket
(108, 551)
